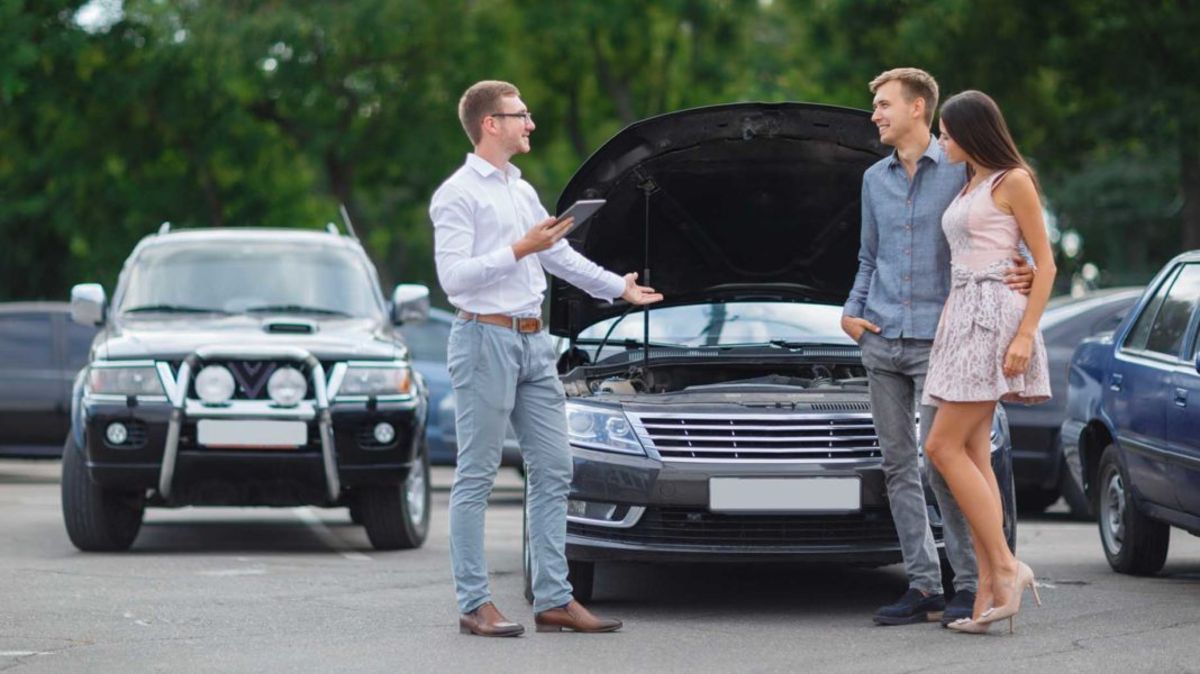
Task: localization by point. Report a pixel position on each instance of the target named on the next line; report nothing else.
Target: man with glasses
(492, 241)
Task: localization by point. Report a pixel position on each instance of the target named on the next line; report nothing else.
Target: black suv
(247, 367)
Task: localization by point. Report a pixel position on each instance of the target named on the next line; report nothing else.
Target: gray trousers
(500, 375)
(896, 373)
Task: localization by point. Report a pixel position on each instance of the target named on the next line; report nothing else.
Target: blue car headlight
(999, 429)
(602, 428)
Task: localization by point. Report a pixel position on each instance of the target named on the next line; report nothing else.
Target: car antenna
(346, 219)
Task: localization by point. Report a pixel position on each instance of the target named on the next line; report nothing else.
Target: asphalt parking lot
(299, 590)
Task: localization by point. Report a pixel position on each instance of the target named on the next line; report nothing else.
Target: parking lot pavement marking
(305, 514)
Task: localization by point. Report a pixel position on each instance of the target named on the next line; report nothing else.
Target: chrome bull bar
(177, 390)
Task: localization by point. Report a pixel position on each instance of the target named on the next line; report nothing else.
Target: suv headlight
(126, 380)
(601, 428)
(376, 380)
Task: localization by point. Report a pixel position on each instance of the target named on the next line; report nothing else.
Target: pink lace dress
(982, 313)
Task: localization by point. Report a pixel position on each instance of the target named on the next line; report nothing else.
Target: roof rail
(164, 227)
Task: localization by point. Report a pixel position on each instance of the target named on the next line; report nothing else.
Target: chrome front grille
(809, 438)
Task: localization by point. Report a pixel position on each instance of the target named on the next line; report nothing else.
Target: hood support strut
(648, 187)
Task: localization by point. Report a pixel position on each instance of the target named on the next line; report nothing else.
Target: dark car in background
(731, 422)
(427, 343)
(1038, 467)
(41, 351)
(1131, 437)
(247, 367)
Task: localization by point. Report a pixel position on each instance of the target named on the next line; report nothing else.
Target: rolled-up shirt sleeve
(569, 265)
(458, 269)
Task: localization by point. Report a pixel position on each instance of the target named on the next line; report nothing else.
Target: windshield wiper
(631, 343)
(173, 309)
(296, 309)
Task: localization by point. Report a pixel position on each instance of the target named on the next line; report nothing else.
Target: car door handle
(1114, 382)
(1181, 397)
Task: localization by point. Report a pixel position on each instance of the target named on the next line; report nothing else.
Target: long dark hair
(975, 122)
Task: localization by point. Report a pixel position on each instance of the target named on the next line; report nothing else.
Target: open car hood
(741, 201)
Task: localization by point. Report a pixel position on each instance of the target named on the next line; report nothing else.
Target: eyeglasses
(526, 116)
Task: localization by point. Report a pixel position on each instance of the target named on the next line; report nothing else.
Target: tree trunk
(1189, 179)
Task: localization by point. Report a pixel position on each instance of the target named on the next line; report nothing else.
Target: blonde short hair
(915, 83)
(480, 100)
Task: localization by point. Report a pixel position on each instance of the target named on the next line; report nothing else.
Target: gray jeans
(896, 373)
(500, 375)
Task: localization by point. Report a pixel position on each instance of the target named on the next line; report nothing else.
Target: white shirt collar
(485, 168)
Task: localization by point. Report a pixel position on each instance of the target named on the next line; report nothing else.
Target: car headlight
(363, 380)
(287, 387)
(601, 428)
(214, 385)
(138, 380)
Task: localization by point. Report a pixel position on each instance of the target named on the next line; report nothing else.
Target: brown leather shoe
(488, 621)
(573, 617)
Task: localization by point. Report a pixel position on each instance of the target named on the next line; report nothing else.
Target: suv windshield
(236, 277)
(724, 324)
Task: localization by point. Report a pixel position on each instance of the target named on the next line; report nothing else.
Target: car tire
(355, 512)
(1076, 500)
(1132, 542)
(1035, 501)
(582, 576)
(97, 519)
(526, 553)
(396, 517)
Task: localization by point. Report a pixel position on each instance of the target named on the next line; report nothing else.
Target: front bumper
(663, 515)
(163, 456)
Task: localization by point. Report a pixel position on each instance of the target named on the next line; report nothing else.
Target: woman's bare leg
(979, 449)
(953, 429)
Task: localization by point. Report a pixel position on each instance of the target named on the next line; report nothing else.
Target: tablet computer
(581, 210)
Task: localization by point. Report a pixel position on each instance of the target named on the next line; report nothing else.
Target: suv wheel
(396, 517)
(1133, 543)
(97, 519)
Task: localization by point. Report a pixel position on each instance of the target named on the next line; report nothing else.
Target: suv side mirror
(410, 303)
(88, 303)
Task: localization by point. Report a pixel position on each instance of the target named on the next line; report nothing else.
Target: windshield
(236, 277)
(724, 324)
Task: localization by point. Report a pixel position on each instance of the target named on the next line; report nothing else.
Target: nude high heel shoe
(968, 626)
(1024, 579)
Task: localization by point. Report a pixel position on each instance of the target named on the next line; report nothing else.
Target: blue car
(427, 341)
(1131, 438)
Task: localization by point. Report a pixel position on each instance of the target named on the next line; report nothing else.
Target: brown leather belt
(505, 321)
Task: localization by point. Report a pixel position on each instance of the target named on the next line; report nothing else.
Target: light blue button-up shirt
(904, 260)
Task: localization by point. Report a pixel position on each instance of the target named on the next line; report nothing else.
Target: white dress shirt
(478, 214)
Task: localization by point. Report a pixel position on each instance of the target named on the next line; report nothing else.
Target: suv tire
(396, 517)
(1132, 542)
(97, 519)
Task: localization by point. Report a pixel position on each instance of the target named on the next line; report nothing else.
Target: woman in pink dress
(987, 347)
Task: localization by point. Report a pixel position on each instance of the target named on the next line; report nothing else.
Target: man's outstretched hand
(636, 294)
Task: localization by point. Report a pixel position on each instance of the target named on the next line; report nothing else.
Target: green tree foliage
(270, 113)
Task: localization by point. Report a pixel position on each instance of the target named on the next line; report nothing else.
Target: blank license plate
(251, 434)
(784, 495)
